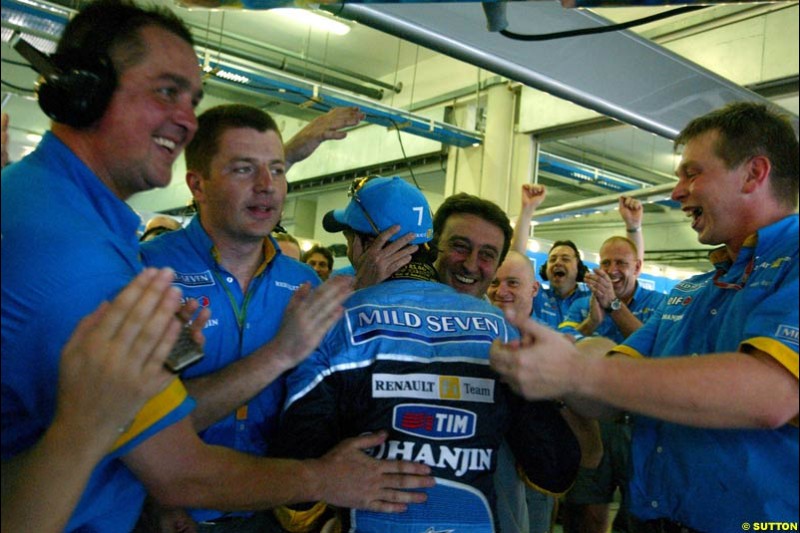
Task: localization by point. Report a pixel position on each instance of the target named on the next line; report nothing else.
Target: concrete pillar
(486, 170)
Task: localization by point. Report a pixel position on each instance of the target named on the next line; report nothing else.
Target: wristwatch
(613, 306)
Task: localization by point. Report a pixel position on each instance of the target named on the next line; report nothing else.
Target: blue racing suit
(411, 357)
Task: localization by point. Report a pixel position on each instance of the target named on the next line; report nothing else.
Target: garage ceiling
(371, 59)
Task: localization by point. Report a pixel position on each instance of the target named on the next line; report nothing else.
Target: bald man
(514, 286)
(157, 225)
(513, 289)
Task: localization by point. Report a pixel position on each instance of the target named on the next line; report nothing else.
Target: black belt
(662, 525)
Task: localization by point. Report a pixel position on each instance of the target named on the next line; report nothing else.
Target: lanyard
(240, 313)
(241, 317)
(742, 282)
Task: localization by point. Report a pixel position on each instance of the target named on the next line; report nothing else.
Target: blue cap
(387, 202)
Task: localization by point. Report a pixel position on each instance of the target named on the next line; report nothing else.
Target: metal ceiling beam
(311, 95)
(252, 75)
(321, 71)
(618, 74)
(659, 193)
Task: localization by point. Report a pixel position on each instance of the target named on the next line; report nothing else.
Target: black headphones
(75, 88)
(582, 269)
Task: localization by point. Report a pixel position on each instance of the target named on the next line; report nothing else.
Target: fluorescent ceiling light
(224, 74)
(319, 22)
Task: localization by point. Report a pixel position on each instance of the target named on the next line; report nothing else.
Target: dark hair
(111, 28)
(747, 129)
(213, 123)
(463, 203)
(318, 249)
(582, 268)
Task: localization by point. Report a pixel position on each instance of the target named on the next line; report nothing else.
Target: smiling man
(564, 270)
(57, 269)
(712, 377)
(513, 290)
(618, 305)
(514, 286)
(473, 236)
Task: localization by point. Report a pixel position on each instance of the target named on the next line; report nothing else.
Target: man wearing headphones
(564, 269)
(122, 93)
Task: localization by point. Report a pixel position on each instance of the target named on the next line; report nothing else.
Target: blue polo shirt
(642, 305)
(68, 243)
(240, 323)
(710, 479)
(551, 309)
(348, 270)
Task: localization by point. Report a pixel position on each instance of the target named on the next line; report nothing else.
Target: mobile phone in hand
(185, 352)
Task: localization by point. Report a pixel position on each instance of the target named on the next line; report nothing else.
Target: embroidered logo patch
(788, 333)
(434, 421)
(433, 387)
(194, 279)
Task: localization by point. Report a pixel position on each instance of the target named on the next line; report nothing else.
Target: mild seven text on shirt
(433, 323)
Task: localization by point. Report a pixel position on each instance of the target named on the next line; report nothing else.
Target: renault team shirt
(68, 243)
(412, 357)
(551, 309)
(715, 480)
(643, 304)
(240, 323)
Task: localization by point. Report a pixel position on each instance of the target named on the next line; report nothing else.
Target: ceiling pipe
(320, 74)
(313, 76)
(659, 191)
(208, 42)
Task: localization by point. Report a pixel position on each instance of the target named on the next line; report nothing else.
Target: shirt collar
(763, 237)
(199, 237)
(120, 217)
